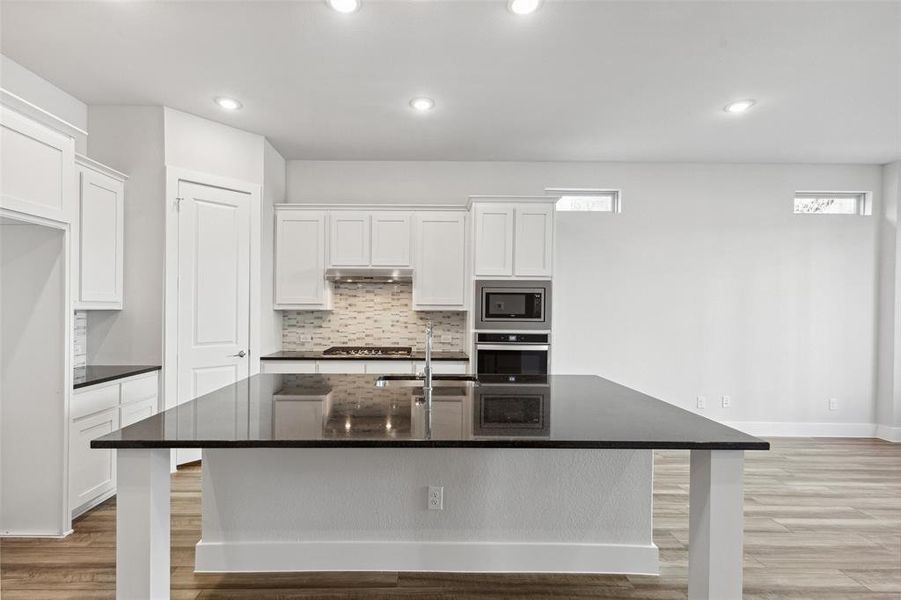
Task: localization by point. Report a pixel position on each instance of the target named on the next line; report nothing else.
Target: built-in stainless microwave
(513, 305)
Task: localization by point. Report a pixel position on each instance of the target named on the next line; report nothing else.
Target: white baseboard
(790, 429)
(473, 557)
(889, 434)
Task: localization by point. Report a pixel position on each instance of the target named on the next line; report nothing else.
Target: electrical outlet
(833, 403)
(436, 497)
(702, 402)
(306, 337)
(727, 401)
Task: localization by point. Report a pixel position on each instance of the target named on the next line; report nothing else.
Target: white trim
(458, 557)
(169, 372)
(889, 434)
(510, 198)
(90, 163)
(800, 429)
(375, 207)
(35, 112)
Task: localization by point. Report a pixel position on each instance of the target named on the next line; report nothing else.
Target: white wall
(33, 382)
(888, 398)
(35, 89)
(130, 139)
(705, 284)
(206, 146)
(274, 179)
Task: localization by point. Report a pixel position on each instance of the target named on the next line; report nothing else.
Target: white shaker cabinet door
(37, 168)
(439, 281)
(92, 472)
(534, 240)
(391, 239)
(493, 239)
(349, 239)
(100, 234)
(300, 260)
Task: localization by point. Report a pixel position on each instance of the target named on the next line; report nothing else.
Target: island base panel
(505, 510)
(716, 522)
(142, 524)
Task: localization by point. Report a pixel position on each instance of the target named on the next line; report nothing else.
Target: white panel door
(391, 239)
(349, 239)
(534, 240)
(493, 240)
(300, 260)
(37, 168)
(439, 279)
(101, 239)
(213, 289)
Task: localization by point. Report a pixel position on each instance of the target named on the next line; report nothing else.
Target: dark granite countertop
(350, 411)
(94, 374)
(318, 355)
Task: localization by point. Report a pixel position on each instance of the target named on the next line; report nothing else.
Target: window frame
(616, 205)
(864, 201)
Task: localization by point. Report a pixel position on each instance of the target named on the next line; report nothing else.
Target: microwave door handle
(535, 347)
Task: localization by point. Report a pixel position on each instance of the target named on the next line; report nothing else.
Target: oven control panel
(512, 338)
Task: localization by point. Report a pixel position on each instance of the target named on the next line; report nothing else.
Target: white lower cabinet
(92, 473)
(96, 411)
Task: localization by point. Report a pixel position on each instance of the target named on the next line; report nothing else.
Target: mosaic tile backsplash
(372, 314)
(79, 339)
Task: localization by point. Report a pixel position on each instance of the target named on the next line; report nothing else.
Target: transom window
(586, 200)
(832, 203)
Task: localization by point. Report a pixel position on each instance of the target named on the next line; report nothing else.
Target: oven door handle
(535, 347)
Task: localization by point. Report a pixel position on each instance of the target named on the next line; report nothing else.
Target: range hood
(369, 274)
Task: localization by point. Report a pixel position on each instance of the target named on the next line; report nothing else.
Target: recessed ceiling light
(228, 103)
(523, 7)
(345, 6)
(739, 106)
(422, 104)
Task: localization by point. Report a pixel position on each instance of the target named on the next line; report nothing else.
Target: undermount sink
(438, 381)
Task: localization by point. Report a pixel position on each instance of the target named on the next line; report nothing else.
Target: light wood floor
(822, 521)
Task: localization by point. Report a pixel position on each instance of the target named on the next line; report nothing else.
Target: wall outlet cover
(436, 497)
(702, 402)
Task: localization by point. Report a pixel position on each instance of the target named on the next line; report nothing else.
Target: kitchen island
(356, 473)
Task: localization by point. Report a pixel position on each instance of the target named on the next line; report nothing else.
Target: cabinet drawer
(94, 399)
(140, 389)
(342, 366)
(137, 411)
(444, 367)
(389, 367)
(288, 366)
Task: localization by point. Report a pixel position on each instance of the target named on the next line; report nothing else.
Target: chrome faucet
(427, 371)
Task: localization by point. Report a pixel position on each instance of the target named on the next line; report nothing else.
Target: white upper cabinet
(300, 259)
(99, 236)
(37, 168)
(439, 279)
(391, 239)
(349, 240)
(493, 239)
(513, 239)
(534, 241)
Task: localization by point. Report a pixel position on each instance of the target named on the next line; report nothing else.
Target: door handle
(240, 354)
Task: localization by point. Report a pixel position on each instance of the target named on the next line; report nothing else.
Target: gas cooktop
(369, 351)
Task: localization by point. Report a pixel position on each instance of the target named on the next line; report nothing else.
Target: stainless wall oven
(513, 305)
(512, 353)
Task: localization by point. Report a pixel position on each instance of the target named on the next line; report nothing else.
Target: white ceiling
(579, 80)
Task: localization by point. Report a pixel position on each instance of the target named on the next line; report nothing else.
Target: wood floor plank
(822, 522)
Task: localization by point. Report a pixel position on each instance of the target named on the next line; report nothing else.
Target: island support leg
(142, 524)
(716, 524)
